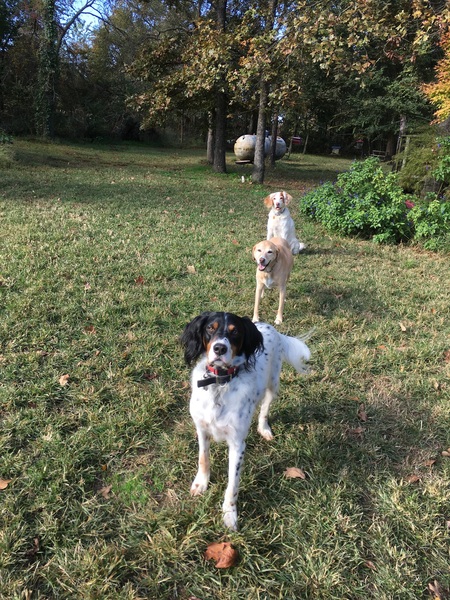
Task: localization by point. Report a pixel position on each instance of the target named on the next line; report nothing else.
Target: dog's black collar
(221, 375)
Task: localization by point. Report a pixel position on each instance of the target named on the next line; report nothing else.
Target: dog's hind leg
(236, 451)
(201, 480)
(263, 423)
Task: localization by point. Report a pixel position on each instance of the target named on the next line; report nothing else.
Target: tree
(53, 22)
(439, 91)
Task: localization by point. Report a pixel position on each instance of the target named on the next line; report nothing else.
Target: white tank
(244, 147)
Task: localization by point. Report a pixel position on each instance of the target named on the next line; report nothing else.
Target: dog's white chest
(269, 282)
(225, 411)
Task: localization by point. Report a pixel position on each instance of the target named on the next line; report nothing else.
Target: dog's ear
(253, 251)
(253, 340)
(287, 198)
(268, 201)
(192, 338)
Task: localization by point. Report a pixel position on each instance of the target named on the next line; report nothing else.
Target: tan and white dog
(274, 262)
(280, 223)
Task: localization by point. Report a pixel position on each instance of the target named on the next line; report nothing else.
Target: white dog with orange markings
(280, 223)
(274, 262)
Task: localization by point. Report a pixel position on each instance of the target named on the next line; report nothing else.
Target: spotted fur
(224, 412)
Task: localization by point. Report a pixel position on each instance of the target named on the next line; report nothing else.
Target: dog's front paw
(265, 432)
(230, 518)
(199, 485)
(255, 319)
(278, 321)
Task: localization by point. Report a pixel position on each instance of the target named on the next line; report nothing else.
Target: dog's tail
(296, 352)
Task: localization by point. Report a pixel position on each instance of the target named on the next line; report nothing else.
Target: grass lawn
(106, 253)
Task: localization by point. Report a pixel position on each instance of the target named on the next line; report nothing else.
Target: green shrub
(364, 201)
(420, 161)
(431, 220)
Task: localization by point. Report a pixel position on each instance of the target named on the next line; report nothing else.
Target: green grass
(106, 252)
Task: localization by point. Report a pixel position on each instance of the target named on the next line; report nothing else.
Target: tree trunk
(219, 164)
(273, 144)
(48, 67)
(258, 161)
(210, 140)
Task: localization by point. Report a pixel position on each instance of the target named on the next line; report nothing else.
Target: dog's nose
(219, 349)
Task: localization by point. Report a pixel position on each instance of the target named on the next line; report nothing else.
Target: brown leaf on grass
(139, 280)
(357, 431)
(436, 590)
(402, 327)
(223, 553)
(430, 462)
(362, 415)
(294, 473)
(446, 453)
(370, 565)
(4, 483)
(413, 478)
(191, 269)
(149, 376)
(34, 548)
(64, 380)
(104, 491)
(447, 356)
(89, 329)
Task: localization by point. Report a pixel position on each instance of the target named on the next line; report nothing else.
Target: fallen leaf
(4, 483)
(104, 491)
(64, 380)
(294, 472)
(191, 269)
(89, 329)
(139, 280)
(402, 327)
(381, 347)
(446, 452)
(430, 462)
(35, 548)
(370, 565)
(447, 356)
(362, 415)
(413, 478)
(223, 553)
(358, 431)
(87, 286)
(149, 376)
(436, 590)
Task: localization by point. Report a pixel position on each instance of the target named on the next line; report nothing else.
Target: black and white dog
(238, 369)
